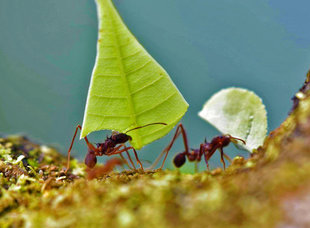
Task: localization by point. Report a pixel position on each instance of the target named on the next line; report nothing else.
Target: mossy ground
(270, 189)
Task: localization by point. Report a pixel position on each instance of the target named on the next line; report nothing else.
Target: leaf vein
(107, 58)
(108, 97)
(139, 68)
(124, 75)
(132, 55)
(158, 104)
(111, 116)
(148, 85)
(106, 46)
(108, 75)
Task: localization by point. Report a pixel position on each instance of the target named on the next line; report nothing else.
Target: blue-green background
(48, 48)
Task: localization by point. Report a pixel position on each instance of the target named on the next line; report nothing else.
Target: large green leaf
(238, 112)
(128, 87)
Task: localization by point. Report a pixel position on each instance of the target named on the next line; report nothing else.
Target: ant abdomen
(90, 159)
(179, 160)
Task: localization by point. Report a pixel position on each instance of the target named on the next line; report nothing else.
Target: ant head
(90, 159)
(222, 140)
(179, 160)
(226, 139)
(121, 138)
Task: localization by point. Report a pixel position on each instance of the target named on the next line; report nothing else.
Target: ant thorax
(103, 147)
(207, 146)
(111, 142)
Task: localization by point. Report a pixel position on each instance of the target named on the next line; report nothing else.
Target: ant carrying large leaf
(109, 147)
(206, 149)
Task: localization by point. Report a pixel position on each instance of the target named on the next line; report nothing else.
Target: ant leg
(125, 161)
(227, 157)
(126, 149)
(117, 150)
(196, 167)
(69, 151)
(185, 141)
(201, 150)
(134, 167)
(135, 152)
(89, 145)
(136, 155)
(207, 156)
(166, 150)
(222, 157)
(180, 130)
(112, 151)
(207, 164)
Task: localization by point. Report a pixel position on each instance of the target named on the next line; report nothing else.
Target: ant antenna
(145, 126)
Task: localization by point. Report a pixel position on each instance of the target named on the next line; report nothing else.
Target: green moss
(250, 193)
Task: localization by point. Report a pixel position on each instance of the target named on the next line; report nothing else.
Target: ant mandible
(206, 149)
(109, 147)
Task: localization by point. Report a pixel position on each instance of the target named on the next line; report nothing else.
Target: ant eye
(90, 160)
(179, 160)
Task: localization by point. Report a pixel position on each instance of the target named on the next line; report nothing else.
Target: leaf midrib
(122, 71)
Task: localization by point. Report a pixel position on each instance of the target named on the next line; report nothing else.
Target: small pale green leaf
(128, 87)
(238, 112)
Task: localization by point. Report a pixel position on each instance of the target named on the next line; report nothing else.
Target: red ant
(108, 147)
(206, 149)
(104, 169)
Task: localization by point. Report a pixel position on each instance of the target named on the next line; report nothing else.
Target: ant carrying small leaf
(206, 150)
(109, 147)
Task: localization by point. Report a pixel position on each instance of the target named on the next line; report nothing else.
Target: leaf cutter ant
(102, 170)
(109, 147)
(206, 149)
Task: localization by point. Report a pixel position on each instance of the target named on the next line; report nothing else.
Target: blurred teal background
(48, 48)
